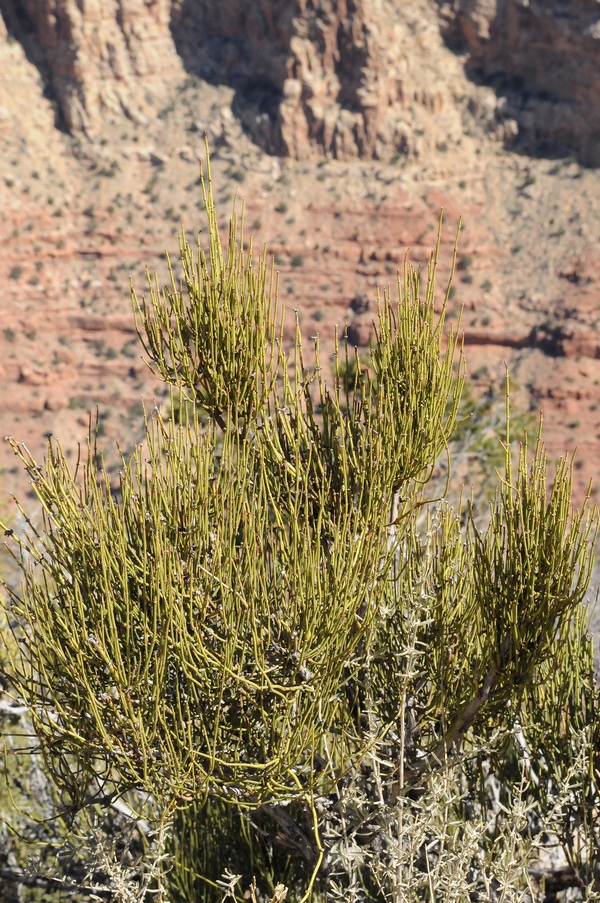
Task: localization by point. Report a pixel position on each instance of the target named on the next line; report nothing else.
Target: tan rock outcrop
(348, 78)
(545, 59)
(333, 76)
(103, 56)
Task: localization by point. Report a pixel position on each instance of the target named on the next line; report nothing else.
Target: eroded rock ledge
(345, 78)
(544, 57)
(331, 76)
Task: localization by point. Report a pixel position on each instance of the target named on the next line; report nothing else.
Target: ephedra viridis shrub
(274, 646)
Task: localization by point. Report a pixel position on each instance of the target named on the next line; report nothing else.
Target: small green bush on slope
(272, 642)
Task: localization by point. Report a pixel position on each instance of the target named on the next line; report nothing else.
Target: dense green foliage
(271, 643)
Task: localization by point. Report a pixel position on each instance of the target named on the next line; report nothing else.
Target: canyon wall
(331, 76)
(134, 84)
(100, 57)
(348, 78)
(544, 58)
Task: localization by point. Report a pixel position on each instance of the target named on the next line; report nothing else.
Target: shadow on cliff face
(218, 52)
(298, 74)
(20, 28)
(543, 62)
(534, 122)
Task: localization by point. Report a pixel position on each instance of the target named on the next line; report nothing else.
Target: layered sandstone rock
(103, 56)
(545, 58)
(348, 78)
(331, 76)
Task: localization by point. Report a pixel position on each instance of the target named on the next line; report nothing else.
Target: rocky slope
(346, 125)
(330, 77)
